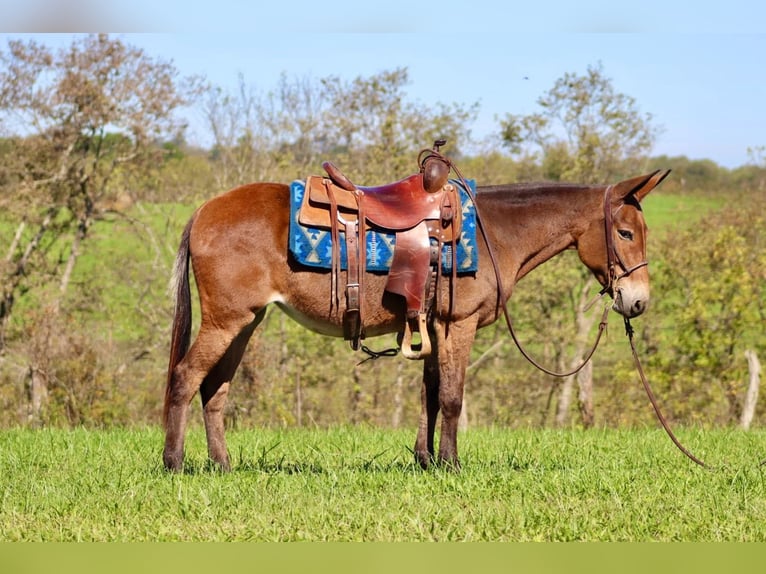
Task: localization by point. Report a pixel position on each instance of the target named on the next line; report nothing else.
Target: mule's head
(613, 246)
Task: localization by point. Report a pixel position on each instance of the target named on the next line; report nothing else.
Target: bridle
(613, 257)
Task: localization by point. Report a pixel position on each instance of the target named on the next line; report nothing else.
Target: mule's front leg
(429, 410)
(454, 352)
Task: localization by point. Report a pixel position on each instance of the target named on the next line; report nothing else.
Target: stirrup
(418, 351)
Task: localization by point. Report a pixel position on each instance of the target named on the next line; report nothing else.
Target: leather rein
(613, 276)
(614, 261)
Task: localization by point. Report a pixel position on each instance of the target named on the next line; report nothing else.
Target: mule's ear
(640, 186)
(653, 182)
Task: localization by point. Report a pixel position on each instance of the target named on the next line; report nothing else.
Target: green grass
(360, 484)
(129, 262)
(664, 212)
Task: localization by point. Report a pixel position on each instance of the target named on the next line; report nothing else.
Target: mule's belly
(323, 327)
(308, 301)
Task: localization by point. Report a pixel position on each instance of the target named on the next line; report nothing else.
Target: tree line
(97, 180)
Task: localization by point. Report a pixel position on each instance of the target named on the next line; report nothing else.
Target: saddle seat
(394, 206)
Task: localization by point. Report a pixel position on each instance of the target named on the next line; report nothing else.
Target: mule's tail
(182, 320)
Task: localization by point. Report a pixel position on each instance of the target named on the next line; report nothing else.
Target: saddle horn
(435, 167)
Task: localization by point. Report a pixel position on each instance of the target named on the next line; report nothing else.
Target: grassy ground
(359, 484)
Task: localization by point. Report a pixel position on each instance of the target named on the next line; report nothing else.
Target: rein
(501, 304)
(653, 400)
(613, 276)
(614, 259)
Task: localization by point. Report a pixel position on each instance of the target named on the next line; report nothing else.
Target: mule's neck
(531, 223)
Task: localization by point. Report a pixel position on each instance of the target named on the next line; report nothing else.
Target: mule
(237, 244)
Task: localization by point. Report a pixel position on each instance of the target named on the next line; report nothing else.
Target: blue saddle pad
(312, 246)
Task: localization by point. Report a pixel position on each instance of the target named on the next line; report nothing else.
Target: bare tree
(257, 136)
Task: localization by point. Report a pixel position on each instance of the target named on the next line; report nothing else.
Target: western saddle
(417, 209)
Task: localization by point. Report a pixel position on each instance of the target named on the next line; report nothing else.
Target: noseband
(613, 258)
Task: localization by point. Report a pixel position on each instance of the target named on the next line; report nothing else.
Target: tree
(380, 132)
(81, 115)
(80, 118)
(586, 131)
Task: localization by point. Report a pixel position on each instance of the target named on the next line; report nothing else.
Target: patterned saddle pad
(312, 246)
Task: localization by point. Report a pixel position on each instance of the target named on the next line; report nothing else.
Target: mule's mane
(530, 193)
(533, 188)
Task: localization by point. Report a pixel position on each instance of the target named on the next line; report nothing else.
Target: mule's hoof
(424, 459)
(173, 463)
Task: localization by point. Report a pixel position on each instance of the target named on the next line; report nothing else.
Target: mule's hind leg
(215, 389)
(213, 394)
(211, 344)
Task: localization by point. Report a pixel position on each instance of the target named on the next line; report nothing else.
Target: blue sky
(698, 71)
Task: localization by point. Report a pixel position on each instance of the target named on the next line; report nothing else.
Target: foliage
(713, 309)
(701, 176)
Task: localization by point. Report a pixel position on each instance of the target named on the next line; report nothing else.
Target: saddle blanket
(312, 246)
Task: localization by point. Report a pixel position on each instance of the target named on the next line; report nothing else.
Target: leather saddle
(417, 209)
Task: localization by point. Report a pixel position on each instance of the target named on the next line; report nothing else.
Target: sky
(699, 71)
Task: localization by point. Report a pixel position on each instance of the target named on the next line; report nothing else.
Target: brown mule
(237, 244)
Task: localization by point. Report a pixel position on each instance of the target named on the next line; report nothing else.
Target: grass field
(359, 484)
(665, 212)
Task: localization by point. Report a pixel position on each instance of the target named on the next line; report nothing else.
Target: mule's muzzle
(630, 305)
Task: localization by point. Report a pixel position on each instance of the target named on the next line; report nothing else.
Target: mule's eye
(625, 234)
